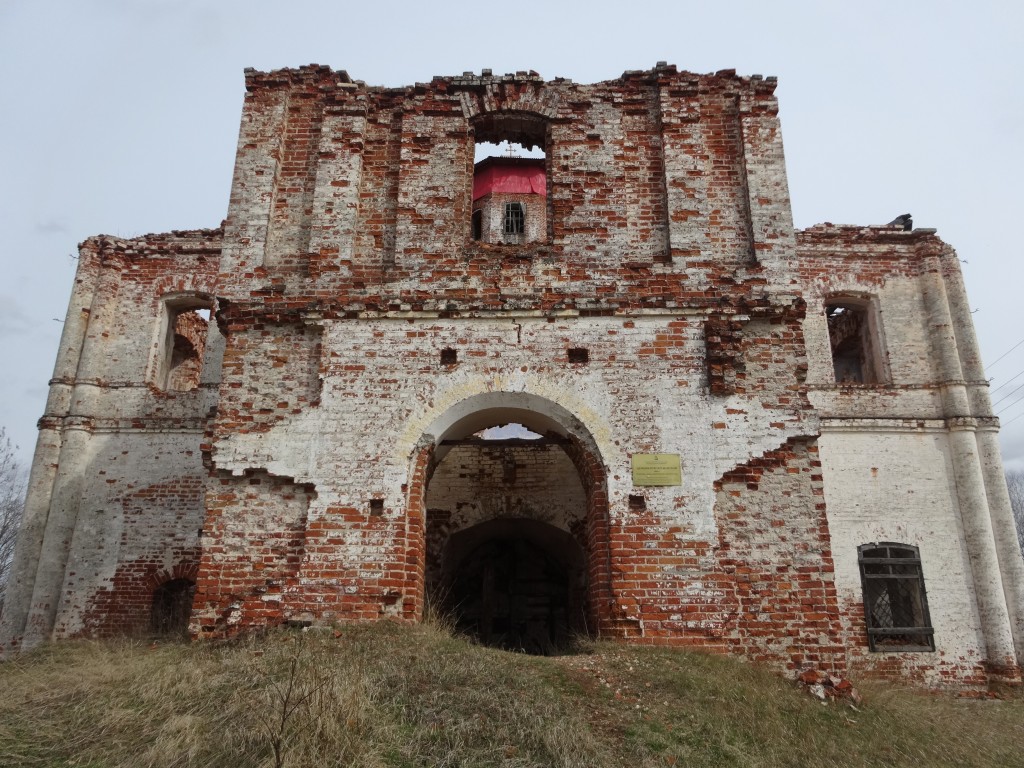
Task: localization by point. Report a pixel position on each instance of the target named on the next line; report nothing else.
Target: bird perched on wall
(902, 221)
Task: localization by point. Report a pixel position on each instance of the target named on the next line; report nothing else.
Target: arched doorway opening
(513, 514)
(172, 607)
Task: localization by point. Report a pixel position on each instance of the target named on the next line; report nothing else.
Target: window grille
(515, 219)
(895, 603)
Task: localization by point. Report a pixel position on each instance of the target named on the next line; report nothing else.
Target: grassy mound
(390, 695)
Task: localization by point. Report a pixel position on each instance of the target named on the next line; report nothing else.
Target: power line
(1008, 381)
(1005, 423)
(997, 402)
(1011, 393)
(1005, 353)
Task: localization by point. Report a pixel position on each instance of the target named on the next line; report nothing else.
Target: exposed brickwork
(159, 542)
(362, 337)
(254, 541)
(190, 331)
(775, 557)
(291, 354)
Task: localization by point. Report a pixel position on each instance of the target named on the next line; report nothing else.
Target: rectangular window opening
(510, 179)
(515, 219)
(895, 602)
(184, 345)
(853, 342)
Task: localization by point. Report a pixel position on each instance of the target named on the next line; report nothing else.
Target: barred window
(895, 604)
(515, 218)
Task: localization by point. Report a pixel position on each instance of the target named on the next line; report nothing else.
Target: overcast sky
(120, 117)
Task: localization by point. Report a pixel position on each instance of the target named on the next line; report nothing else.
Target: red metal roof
(509, 176)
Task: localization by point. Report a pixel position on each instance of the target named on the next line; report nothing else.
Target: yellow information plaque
(657, 469)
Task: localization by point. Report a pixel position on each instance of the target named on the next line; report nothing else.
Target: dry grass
(387, 695)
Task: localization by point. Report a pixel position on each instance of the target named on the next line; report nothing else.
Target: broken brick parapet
(367, 237)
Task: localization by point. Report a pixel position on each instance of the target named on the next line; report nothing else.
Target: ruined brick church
(598, 385)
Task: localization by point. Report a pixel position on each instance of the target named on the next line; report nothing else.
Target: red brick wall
(159, 542)
(254, 540)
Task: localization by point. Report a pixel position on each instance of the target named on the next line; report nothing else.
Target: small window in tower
(515, 218)
(852, 337)
(895, 604)
(478, 224)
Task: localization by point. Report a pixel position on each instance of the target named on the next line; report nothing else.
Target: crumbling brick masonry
(717, 431)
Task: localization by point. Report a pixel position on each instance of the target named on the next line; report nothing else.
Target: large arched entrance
(513, 513)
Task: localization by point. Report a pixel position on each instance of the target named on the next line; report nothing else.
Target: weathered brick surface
(254, 540)
(160, 527)
(362, 336)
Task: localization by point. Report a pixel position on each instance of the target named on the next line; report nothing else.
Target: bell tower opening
(510, 179)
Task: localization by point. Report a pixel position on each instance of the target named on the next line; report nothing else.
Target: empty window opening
(895, 603)
(181, 360)
(376, 507)
(637, 503)
(515, 219)
(510, 179)
(579, 356)
(449, 356)
(855, 358)
(172, 607)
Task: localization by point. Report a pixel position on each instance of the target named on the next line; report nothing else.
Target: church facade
(603, 388)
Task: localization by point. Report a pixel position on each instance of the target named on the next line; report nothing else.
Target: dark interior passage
(506, 533)
(172, 606)
(515, 584)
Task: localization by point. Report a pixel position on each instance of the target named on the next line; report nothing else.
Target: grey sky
(120, 117)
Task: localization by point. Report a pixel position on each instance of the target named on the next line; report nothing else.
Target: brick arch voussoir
(593, 475)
